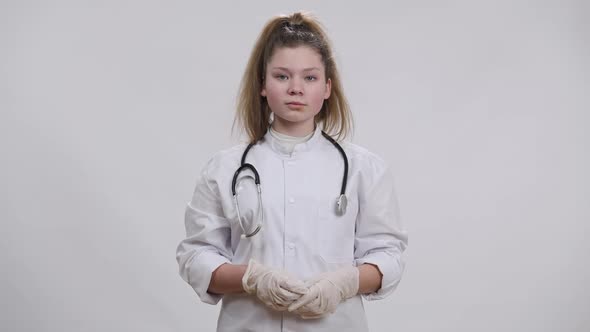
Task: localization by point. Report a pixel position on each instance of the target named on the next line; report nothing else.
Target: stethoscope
(341, 201)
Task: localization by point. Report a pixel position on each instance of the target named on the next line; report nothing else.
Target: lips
(296, 106)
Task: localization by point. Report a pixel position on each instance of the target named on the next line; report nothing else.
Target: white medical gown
(301, 232)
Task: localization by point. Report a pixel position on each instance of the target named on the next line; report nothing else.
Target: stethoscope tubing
(341, 203)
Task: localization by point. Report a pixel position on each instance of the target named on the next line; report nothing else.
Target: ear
(328, 88)
(263, 89)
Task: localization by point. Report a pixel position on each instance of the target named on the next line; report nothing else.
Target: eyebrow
(305, 69)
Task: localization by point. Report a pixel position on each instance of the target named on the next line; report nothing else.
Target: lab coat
(301, 232)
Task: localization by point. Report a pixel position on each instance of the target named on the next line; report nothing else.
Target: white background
(109, 110)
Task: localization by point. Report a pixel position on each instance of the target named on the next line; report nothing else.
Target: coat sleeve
(380, 238)
(207, 244)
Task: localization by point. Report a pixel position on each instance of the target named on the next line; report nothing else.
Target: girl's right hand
(275, 288)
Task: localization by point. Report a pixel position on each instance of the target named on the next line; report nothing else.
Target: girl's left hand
(326, 292)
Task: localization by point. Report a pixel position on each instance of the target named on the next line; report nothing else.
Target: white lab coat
(301, 232)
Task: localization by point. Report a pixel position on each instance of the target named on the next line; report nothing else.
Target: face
(295, 87)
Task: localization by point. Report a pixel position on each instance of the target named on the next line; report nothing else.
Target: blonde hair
(297, 29)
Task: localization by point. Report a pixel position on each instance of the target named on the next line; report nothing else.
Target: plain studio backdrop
(110, 109)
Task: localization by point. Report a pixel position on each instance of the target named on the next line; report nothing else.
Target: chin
(292, 116)
(295, 119)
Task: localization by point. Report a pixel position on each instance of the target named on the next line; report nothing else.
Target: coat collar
(305, 146)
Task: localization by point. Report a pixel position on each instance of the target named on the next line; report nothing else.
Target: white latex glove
(274, 288)
(327, 291)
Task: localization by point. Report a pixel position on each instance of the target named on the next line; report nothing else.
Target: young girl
(295, 228)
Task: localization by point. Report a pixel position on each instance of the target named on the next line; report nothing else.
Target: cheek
(317, 98)
(272, 91)
(273, 97)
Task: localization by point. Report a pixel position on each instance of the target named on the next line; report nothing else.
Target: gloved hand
(274, 288)
(327, 291)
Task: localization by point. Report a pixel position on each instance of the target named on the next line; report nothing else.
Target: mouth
(295, 103)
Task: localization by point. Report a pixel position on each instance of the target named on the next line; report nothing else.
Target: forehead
(299, 57)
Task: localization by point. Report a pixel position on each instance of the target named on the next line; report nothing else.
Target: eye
(311, 78)
(281, 77)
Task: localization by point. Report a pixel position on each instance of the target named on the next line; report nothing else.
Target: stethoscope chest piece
(341, 204)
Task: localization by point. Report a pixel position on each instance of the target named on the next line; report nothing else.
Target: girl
(320, 230)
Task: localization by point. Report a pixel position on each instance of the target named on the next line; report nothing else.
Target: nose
(295, 87)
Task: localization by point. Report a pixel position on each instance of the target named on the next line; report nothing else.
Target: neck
(293, 129)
